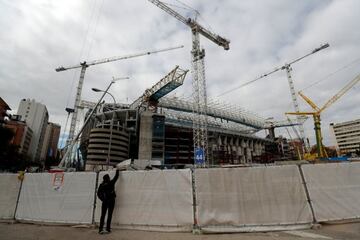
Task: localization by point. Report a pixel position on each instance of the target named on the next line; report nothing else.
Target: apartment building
(36, 117)
(346, 136)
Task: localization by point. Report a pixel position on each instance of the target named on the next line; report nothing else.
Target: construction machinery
(317, 111)
(288, 68)
(199, 84)
(174, 79)
(84, 65)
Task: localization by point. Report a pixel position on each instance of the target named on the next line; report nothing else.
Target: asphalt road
(20, 231)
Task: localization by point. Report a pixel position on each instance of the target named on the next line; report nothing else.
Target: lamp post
(69, 149)
(112, 119)
(99, 90)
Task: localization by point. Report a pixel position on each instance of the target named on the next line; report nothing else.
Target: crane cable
(277, 69)
(87, 33)
(189, 8)
(249, 82)
(333, 73)
(76, 73)
(92, 24)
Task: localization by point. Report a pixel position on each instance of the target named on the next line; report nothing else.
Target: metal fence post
(18, 197)
(196, 228)
(307, 194)
(94, 206)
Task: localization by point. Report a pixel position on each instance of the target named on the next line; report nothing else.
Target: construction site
(174, 132)
(194, 164)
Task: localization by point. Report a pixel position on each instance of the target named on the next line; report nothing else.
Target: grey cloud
(41, 35)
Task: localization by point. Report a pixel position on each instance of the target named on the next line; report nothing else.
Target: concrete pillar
(145, 136)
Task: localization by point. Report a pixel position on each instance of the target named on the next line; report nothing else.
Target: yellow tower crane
(317, 111)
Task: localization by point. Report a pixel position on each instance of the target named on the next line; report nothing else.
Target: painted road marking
(307, 235)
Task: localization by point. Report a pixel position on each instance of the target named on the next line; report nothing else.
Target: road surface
(21, 231)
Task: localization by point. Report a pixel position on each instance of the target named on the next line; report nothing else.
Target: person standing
(106, 193)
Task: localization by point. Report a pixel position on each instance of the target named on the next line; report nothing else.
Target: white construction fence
(251, 199)
(334, 190)
(213, 200)
(57, 197)
(9, 192)
(152, 200)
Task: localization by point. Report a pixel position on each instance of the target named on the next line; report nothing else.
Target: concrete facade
(163, 141)
(347, 136)
(36, 117)
(152, 136)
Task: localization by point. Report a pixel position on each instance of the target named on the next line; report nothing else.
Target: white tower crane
(83, 67)
(199, 83)
(287, 67)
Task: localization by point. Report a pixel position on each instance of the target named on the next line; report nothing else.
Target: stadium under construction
(160, 128)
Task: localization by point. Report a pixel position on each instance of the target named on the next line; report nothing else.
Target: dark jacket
(106, 190)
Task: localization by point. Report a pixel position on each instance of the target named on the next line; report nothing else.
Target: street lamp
(99, 90)
(69, 149)
(113, 115)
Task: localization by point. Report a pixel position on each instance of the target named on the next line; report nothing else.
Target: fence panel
(9, 190)
(152, 200)
(334, 190)
(251, 199)
(57, 197)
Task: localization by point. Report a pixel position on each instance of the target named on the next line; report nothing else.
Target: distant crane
(198, 72)
(317, 111)
(271, 125)
(287, 67)
(83, 66)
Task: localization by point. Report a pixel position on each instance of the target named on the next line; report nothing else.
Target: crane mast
(294, 99)
(199, 81)
(288, 69)
(84, 65)
(317, 112)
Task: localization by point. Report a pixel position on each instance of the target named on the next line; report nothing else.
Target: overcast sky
(40, 35)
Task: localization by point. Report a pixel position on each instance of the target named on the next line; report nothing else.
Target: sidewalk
(21, 231)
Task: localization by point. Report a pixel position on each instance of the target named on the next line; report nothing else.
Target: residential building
(22, 135)
(36, 117)
(51, 140)
(346, 136)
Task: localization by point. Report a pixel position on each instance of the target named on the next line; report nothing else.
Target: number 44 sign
(199, 156)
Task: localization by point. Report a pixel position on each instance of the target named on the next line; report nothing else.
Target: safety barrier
(9, 191)
(226, 200)
(251, 199)
(334, 190)
(152, 200)
(57, 197)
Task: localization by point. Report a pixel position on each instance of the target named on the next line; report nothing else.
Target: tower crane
(198, 83)
(317, 111)
(84, 65)
(287, 67)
